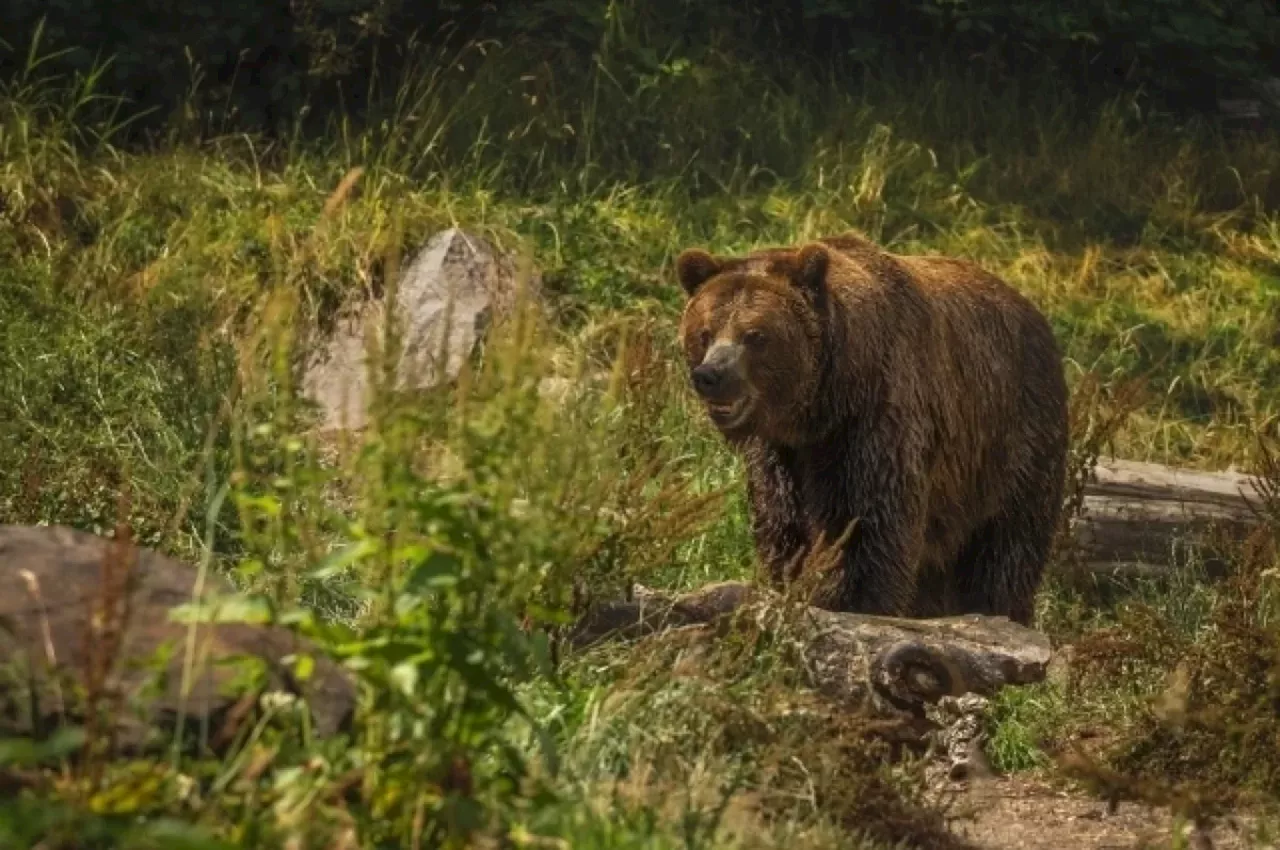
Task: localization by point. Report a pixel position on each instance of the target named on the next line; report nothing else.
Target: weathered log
(889, 666)
(1143, 518)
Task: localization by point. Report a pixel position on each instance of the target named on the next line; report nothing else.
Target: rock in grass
(76, 609)
(448, 298)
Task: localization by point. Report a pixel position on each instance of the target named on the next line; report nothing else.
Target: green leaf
(385, 649)
(250, 568)
(341, 560)
(237, 608)
(441, 569)
(405, 675)
(303, 666)
(23, 752)
(170, 834)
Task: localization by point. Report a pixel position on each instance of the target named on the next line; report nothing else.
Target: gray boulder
(448, 298)
(78, 610)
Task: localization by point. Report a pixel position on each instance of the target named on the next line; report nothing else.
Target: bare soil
(1016, 813)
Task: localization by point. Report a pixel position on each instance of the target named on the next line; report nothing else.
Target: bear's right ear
(695, 267)
(811, 267)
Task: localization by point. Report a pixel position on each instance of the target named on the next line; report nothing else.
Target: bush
(1171, 695)
(445, 545)
(254, 65)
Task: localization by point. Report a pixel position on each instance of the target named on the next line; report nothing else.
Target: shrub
(251, 64)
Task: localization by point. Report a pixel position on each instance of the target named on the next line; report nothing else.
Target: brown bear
(917, 401)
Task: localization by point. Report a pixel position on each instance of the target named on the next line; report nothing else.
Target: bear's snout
(718, 378)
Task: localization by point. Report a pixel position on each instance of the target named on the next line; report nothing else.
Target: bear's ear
(695, 267)
(811, 267)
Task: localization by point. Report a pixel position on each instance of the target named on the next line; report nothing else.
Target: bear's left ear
(695, 267)
(811, 268)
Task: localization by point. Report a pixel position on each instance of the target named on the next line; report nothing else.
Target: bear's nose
(707, 378)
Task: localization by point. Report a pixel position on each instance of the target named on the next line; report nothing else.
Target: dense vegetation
(268, 59)
(159, 274)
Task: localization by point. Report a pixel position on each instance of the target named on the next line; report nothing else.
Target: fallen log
(890, 667)
(1145, 518)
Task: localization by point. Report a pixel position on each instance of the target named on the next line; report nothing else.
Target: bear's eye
(704, 338)
(753, 337)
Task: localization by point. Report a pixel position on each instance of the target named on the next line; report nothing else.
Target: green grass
(149, 296)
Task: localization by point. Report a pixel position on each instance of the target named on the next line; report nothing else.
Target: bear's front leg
(876, 572)
(777, 523)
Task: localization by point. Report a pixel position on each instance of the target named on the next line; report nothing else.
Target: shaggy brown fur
(920, 396)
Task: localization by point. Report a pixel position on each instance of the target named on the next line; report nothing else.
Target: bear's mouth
(731, 415)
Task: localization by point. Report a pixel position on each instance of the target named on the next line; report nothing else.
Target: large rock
(449, 296)
(62, 596)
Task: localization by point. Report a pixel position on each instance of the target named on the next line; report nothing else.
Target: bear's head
(752, 337)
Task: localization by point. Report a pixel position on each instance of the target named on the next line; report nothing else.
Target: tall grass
(156, 303)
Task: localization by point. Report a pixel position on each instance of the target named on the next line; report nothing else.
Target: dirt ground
(1025, 814)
